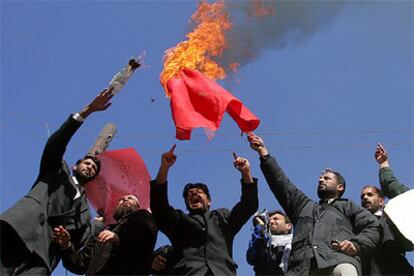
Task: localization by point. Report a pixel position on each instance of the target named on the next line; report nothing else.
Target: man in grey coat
(203, 238)
(56, 199)
(330, 236)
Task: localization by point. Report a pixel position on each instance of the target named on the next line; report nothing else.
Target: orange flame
(205, 42)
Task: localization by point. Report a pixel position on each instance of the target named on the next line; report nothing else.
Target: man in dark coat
(202, 239)
(330, 236)
(389, 257)
(271, 242)
(124, 248)
(55, 199)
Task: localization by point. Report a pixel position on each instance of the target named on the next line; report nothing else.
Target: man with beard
(55, 199)
(330, 236)
(271, 243)
(124, 248)
(389, 257)
(203, 238)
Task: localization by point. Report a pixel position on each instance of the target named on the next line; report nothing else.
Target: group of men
(334, 236)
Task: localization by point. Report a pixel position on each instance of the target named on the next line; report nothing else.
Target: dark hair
(341, 180)
(376, 189)
(201, 186)
(287, 219)
(94, 159)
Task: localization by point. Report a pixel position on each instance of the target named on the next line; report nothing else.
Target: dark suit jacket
(203, 242)
(50, 201)
(132, 256)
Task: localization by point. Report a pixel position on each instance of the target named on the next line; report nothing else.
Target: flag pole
(103, 140)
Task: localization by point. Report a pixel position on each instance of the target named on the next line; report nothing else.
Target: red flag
(197, 101)
(122, 172)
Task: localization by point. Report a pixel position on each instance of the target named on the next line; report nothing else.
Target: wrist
(247, 177)
(85, 112)
(263, 152)
(384, 164)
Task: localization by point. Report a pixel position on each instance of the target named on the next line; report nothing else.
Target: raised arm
(289, 196)
(390, 185)
(165, 215)
(249, 201)
(258, 252)
(56, 144)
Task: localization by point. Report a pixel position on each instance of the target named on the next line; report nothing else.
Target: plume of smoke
(277, 24)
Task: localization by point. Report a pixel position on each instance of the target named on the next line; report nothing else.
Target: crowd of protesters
(333, 236)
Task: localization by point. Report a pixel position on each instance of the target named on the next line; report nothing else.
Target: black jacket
(51, 201)
(203, 243)
(317, 224)
(132, 256)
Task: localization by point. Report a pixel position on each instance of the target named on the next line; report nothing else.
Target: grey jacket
(317, 224)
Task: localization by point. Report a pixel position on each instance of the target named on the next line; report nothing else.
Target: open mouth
(195, 201)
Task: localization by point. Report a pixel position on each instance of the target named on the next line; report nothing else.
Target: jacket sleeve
(76, 258)
(289, 196)
(55, 147)
(165, 215)
(258, 252)
(390, 185)
(77, 261)
(367, 229)
(245, 208)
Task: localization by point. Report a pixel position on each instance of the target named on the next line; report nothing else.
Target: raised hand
(168, 158)
(243, 166)
(61, 237)
(257, 144)
(381, 155)
(99, 103)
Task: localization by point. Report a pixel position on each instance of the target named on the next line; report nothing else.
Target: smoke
(259, 25)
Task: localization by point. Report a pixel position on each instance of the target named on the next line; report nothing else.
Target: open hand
(108, 236)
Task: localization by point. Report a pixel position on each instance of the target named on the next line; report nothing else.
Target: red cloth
(197, 101)
(123, 172)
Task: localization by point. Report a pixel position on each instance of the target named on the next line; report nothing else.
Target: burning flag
(123, 172)
(197, 101)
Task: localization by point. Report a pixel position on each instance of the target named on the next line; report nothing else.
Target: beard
(123, 211)
(326, 192)
(83, 178)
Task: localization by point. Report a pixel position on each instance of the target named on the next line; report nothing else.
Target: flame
(206, 42)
